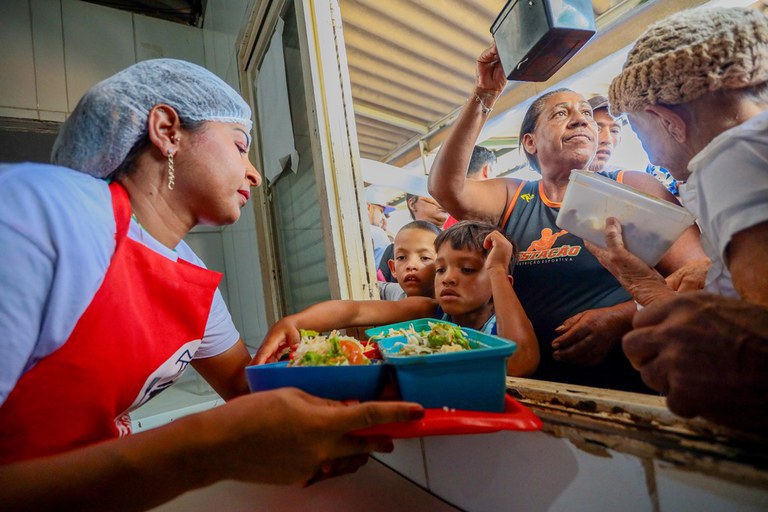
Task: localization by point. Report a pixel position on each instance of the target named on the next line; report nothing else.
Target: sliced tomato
(352, 351)
(371, 350)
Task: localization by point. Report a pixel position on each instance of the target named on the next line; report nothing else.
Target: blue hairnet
(112, 115)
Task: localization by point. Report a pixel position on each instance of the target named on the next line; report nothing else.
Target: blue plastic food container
(422, 324)
(354, 382)
(472, 380)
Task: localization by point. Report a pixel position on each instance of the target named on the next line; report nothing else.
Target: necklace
(133, 216)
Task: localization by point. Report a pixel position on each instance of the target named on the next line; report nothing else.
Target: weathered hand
(287, 436)
(708, 354)
(690, 277)
(491, 78)
(282, 335)
(644, 283)
(587, 337)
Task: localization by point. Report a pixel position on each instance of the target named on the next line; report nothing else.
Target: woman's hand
(284, 334)
(287, 436)
(491, 79)
(644, 283)
(499, 251)
(587, 337)
(276, 437)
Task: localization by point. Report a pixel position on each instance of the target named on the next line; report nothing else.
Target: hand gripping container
(649, 225)
(473, 380)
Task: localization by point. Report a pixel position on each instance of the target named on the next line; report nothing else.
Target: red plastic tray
(439, 422)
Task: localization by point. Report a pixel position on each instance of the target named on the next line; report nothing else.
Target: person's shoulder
(47, 181)
(729, 144)
(509, 181)
(642, 181)
(23, 171)
(390, 291)
(55, 203)
(756, 125)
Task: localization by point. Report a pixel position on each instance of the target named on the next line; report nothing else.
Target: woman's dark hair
(422, 224)
(470, 235)
(127, 166)
(530, 120)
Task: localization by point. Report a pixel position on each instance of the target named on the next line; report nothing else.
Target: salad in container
(441, 365)
(331, 366)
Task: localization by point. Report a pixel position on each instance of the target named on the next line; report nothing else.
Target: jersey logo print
(527, 197)
(542, 249)
(546, 241)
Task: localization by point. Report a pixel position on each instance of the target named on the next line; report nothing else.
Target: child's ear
(511, 280)
(391, 265)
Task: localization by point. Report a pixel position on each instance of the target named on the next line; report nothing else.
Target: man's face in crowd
(376, 215)
(659, 144)
(427, 209)
(608, 136)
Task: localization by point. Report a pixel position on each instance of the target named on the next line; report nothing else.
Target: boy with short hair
(473, 289)
(414, 262)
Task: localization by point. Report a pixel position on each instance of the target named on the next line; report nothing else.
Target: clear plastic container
(649, 225)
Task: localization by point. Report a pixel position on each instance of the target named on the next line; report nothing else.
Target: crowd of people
(702, 123)
(163, 146)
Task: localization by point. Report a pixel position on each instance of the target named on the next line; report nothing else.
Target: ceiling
(186, 12)
(412, 65)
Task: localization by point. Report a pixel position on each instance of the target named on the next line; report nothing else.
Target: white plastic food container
(649, 225)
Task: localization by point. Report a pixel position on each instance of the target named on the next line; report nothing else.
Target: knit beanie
(692, 53)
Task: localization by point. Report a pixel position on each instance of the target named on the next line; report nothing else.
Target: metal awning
(412, 66)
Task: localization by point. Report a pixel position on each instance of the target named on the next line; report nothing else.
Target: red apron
(135, 339)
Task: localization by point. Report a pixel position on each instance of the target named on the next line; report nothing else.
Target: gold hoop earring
(171, 172)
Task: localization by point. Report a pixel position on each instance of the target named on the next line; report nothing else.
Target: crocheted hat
(692, 53)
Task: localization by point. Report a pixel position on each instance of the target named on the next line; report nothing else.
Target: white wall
(538, 472)
(51, 51)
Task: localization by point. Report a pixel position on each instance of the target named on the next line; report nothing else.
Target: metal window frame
(351, 272)
(593, 419)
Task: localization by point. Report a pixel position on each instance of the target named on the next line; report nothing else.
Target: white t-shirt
(380, 242)
(727, 191)
(57, 237)
(391, 291)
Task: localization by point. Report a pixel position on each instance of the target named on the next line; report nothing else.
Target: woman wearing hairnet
(102, 306)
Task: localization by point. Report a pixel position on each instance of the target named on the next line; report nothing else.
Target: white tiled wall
(49, 69)
(538, 472)
(98, 42)
(685, 490)
(17, 80)
(532, 472)
(51, 51)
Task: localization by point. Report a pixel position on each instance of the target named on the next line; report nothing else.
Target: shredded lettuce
(315, 349)
(441, 337)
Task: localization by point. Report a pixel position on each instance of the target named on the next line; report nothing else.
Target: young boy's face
(414, 263)
(462, 284)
